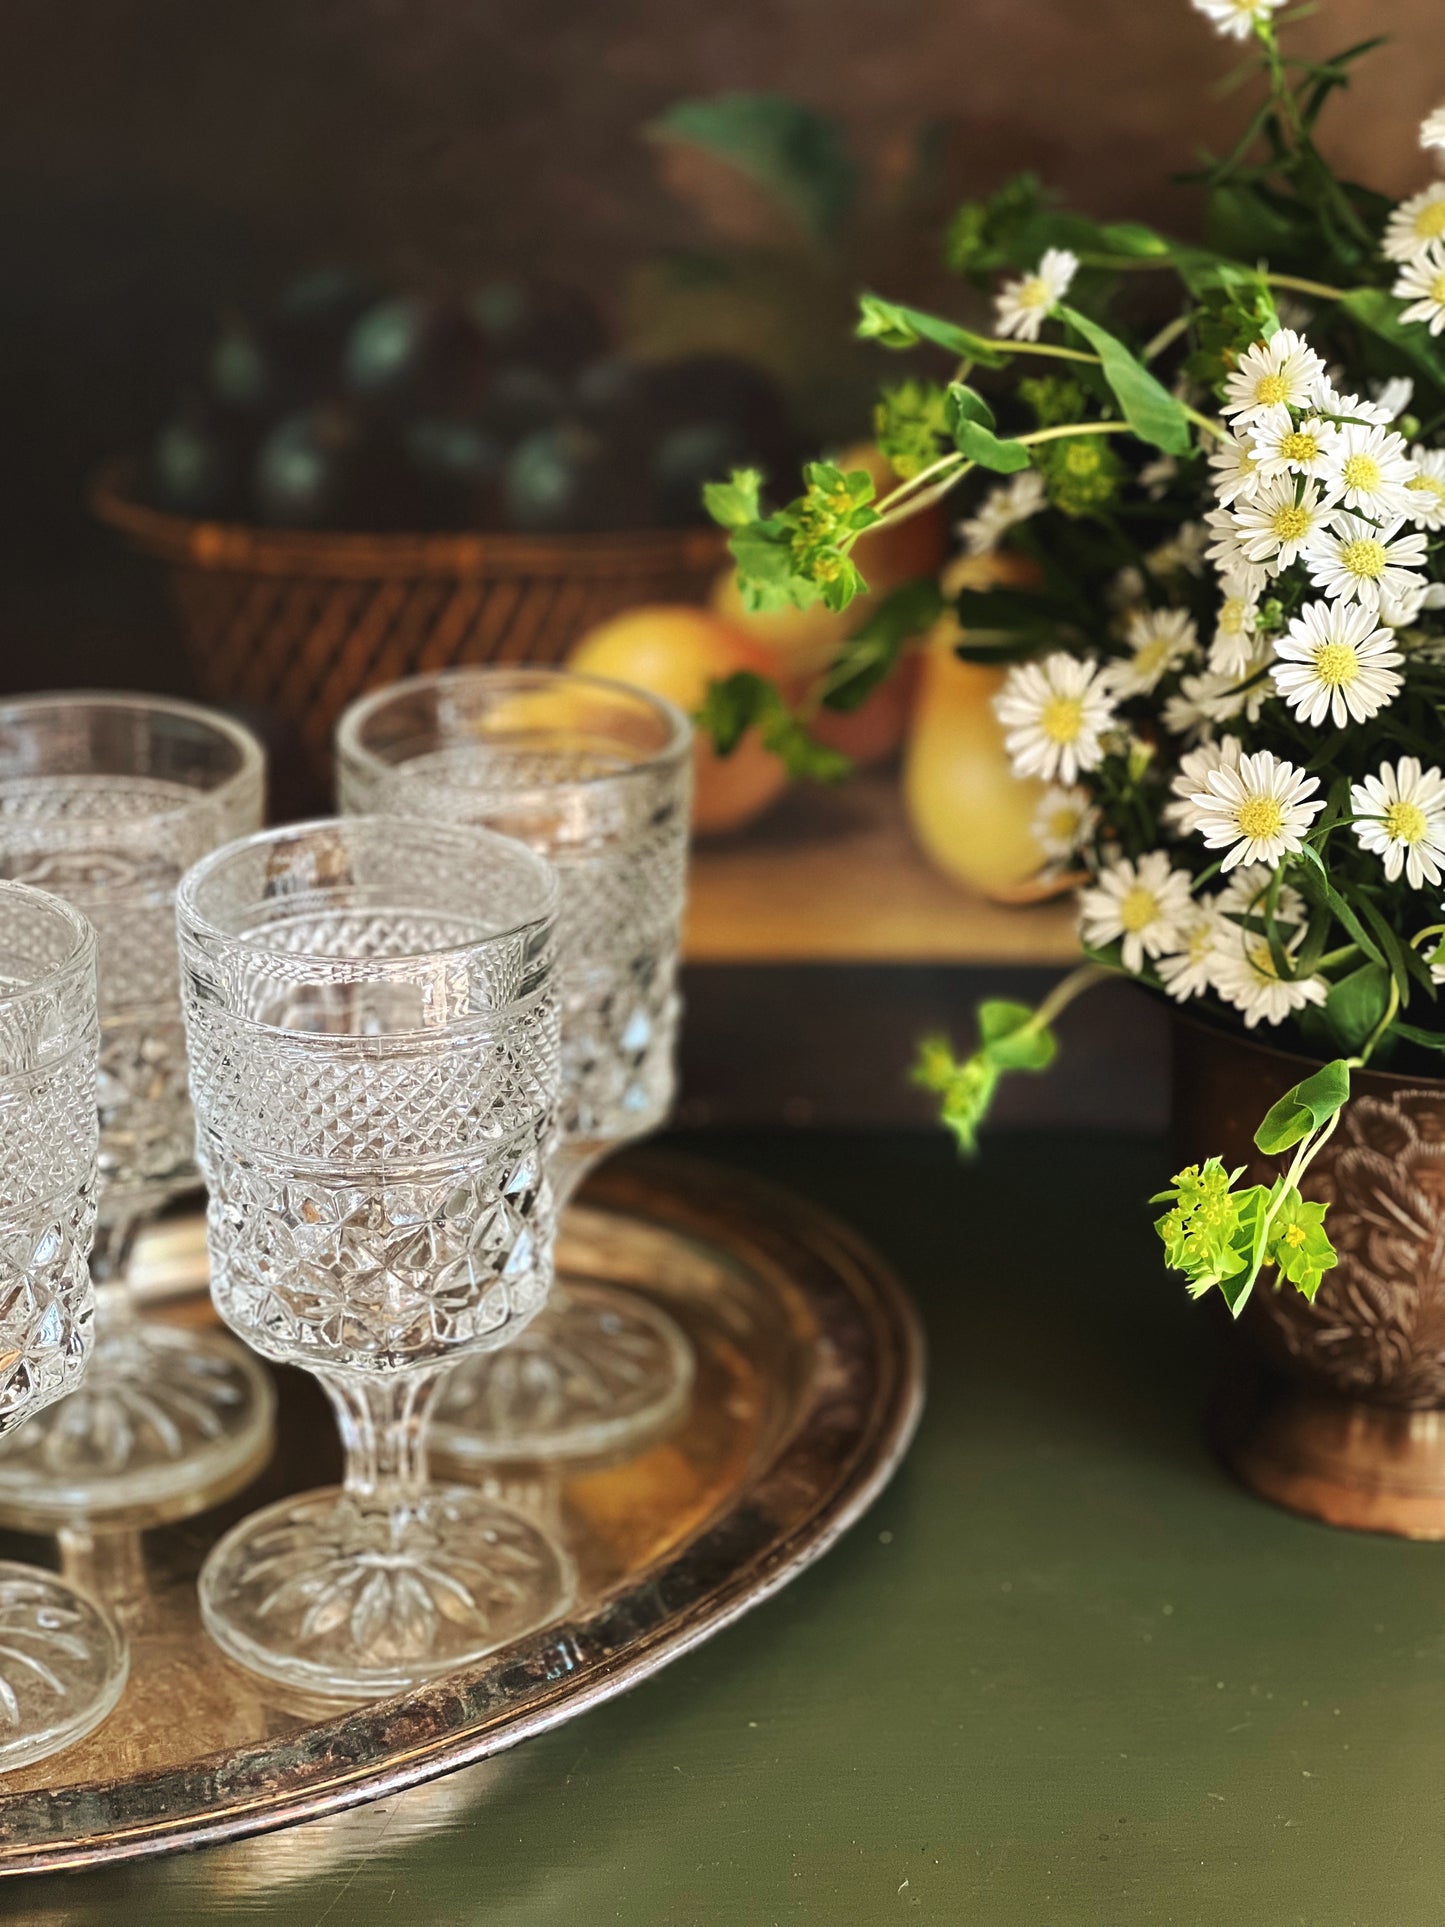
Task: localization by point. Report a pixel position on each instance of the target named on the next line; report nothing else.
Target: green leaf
(767, 571)
(1426, 1039)
(1356, 1004)
(744, 701)
(974, 437)
(1148, 407)
(1316, 885)
(869, 655)
(1007, 1041)
(1379, 312)
(1304, 1108)
(797, 157)
(892, 325)
(734, 503)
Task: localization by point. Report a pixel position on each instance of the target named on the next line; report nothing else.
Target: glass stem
(383, 1422)
(110, 1255)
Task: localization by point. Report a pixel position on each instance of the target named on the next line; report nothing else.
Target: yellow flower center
(1260, 816)
(1231, 617)
(1034, 293)
(1063, 825)
(1428, 485)
(1405, 822)
(1062, 719)
(1271, 389)
(1365, 558)
(1260, 960)
(1360, 471)
(1336, 664)
(1430, 221)
(1299, 446)
(1290, 522)
(1437, 287)
(1295, 1235)
(1152, 658)
(1138, 909)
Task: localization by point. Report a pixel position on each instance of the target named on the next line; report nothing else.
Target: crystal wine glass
(372, 1024)
(597, 777)
(62, 1660)
(107, 800)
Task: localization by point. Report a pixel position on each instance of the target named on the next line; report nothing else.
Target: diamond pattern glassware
(62, 1660)
(372, 1029)
(107, 800)
(597, 777)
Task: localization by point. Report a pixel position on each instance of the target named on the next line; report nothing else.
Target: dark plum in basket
(414, 352)
(332, 468)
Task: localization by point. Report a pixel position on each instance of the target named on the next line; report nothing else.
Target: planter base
(1373, 1467)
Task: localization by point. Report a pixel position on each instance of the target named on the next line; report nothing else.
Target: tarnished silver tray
(808, 1387)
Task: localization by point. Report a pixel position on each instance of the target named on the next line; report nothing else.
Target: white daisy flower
(1367, 470)
(1421, 282)
(1257, 812)
(1159, 640)
(1245, 976)
(1204, 700)
(1002, 509)
(1394, 396)
(1329, 401)
(1244, 894)
(1272, 375)
(1400, 816)
(1415, 224)
(1155, 476)
(1355, 561)
(1274, 526)
(1183, 553)
(1404, 611)
(1236, 472)
(1194, 766)
(1022, 306)
(1283, 446)
(1125, 589)
(1189, 971)
(1141, 903)
(1425, 490)
(1335, 662)
(1064, 821)
(1054, 713)
(1432, 129)
(1236, 18)
(1234, 629)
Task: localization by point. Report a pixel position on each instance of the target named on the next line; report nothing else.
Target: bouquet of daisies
(1228, 657)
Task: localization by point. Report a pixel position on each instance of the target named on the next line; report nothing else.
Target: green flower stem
(1166, 336)
(1214, 428)
(1060, 353)
(1299, 285)
(1066, 990)
(1333, 957)
(1430, 930)
(1392, 1011)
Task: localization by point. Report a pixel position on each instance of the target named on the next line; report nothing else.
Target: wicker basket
(296, 624)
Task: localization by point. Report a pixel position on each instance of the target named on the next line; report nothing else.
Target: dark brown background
(158, 157)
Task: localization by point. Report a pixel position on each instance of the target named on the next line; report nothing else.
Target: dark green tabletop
(1063, 1674)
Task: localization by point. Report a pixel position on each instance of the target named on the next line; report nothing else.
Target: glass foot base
(334, 1598)
(62, 1664)
(599, 1368)
(166, 1423)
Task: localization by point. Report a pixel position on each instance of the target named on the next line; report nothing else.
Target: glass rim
(249, 748)
(677, 744)
(195, 925)
(78, 960)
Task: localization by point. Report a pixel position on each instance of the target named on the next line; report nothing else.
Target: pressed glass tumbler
(62, 1661)
(372, 1030)
(597, 777)
(107, 800)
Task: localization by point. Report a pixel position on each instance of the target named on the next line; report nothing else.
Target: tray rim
(680, 1191)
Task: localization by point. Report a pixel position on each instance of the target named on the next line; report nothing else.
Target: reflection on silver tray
(808, 1386)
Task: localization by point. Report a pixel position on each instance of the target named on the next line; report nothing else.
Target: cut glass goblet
(372, 1032)
(107, 800)
(62, 1659)
(597, 777)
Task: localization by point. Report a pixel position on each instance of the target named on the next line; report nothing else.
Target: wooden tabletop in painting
(1063, 1674)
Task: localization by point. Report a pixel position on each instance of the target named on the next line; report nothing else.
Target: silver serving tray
(808, 1388)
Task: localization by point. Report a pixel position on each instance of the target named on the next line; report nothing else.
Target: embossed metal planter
(1346, 1421)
